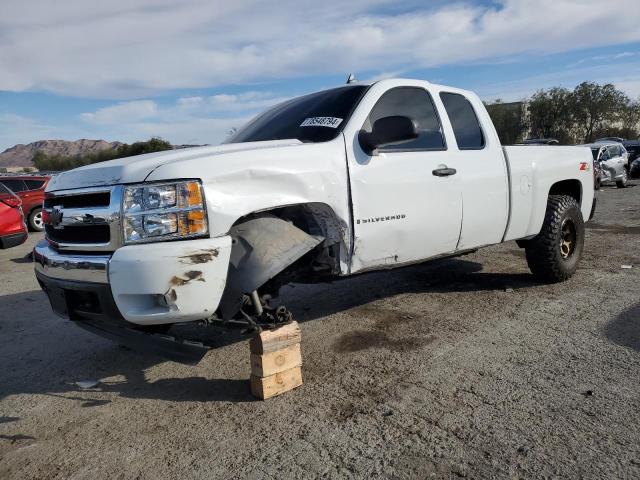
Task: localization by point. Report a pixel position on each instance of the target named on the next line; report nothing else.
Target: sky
(191, 70)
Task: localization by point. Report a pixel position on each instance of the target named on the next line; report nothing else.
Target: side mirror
(387, 130)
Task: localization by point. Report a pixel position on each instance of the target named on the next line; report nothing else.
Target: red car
(30, 189)
(13, 230)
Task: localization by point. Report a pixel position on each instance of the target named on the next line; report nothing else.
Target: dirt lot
(460, 368)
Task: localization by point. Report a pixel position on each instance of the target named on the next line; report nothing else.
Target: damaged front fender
(262, 248)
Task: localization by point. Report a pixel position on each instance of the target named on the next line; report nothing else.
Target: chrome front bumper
(151, 284)
(148, 284)
(83, 268)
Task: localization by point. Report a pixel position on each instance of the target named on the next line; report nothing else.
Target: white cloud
(190, 101)
(15, 129)
(605, 58)
(622, 76)
(630, 86)
(190, 120)
(244, 101)
(135, 48)
(195, 131)
(123, 112)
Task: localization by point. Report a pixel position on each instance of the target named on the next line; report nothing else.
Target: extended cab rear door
(482, 171)
(402, 210)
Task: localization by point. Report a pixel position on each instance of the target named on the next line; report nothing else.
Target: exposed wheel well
(280, 245)
(313, 218)
(572, 188)
(317, 219)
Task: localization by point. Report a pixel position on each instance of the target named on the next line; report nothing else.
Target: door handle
(444, 171)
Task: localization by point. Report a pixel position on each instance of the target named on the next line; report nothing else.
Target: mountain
(21, 155)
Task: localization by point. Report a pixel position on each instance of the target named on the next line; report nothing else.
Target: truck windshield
(317, 117)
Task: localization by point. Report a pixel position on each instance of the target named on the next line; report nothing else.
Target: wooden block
(276, 384)
(272, 340)
(275, 362)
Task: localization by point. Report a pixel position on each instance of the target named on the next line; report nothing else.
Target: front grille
(98, 199)
(84, 220)
(81, 234)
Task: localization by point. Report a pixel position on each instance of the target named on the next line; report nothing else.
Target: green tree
(551, 114)
(630, 122)
(596, 107)
(59, 162)
(509, 120)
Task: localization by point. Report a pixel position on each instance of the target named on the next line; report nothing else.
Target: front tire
(553, 255)
(623, 183)
(35, 220)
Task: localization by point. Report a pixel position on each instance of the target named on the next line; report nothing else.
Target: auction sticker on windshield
(331, 122)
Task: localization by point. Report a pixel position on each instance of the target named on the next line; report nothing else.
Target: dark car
(30, 189)
(540, 141)
(634, 171)
(13, 230)
(633, 147)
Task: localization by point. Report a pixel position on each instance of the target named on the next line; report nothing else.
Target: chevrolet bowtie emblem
(55, 217)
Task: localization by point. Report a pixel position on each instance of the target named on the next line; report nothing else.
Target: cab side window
(415, 103)
(464, 121)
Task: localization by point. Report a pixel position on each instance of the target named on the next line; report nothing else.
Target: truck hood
(138, 168)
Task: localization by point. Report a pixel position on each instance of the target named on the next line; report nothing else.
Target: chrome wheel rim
(37, 220)
(568, 238)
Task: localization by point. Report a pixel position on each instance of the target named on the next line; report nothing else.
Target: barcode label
(331, 122)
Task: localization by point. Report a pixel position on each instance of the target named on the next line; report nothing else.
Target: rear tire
(35, 220)
(553, 255)
(623, 183)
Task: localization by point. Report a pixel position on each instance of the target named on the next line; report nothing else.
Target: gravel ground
(459, 368)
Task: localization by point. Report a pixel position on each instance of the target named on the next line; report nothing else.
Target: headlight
(163, 211)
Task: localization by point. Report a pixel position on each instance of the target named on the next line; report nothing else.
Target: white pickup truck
(356, 178)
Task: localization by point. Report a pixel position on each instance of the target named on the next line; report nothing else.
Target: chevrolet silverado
(335, 183)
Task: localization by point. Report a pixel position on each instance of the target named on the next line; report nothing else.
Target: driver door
(403, 211)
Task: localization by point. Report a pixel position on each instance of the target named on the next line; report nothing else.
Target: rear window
(5, 193)
(14, 184)
(4, 190)
(464, 121)
(34, 184)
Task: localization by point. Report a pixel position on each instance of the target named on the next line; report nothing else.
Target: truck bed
(531, 179)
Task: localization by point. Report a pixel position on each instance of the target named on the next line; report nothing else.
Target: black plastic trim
(108, 322)
(13, 240)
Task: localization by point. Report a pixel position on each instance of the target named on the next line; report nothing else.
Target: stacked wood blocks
(276, 361)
